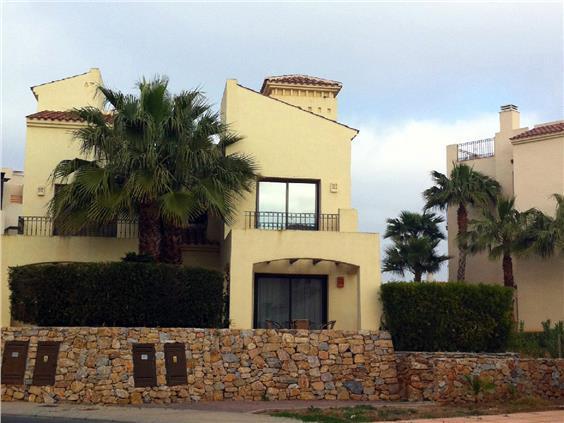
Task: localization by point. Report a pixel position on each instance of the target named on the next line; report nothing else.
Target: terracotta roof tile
(552, 128)
(297, 79)
(60, 116)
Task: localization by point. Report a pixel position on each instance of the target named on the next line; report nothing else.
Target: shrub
(117, 294)
(449, 316)
(548, 343)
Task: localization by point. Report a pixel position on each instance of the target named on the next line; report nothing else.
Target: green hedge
(447, 316)
(117, 294)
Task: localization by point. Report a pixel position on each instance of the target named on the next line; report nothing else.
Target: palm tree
(503, 232)
(465, 187)
(156, 159)
(545, 234)
(415, 237)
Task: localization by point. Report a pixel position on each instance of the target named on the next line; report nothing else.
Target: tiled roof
(552, 128)
(55, 115)
(60, 116)
(300, 80)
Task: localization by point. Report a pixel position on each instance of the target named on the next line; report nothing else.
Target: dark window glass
(283, 299)
(287, 205)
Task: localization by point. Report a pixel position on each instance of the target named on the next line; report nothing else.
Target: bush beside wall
(117, 294)
(447, 316)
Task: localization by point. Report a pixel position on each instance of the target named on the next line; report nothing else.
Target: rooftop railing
(278, 221)
(478, 149)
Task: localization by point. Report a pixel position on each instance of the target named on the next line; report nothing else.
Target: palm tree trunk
(170, 251)
(418, 275)
(508, 280)
(462, 221)
(149, 229)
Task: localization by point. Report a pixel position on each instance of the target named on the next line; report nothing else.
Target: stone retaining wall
(95, 365)
(441, 377)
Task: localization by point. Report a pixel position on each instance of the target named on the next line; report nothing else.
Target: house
(11, 197)
(529, 164)
(293, 250)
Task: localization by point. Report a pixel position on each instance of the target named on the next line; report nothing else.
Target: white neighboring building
(12, 182)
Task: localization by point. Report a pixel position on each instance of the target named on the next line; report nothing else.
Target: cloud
(391, 163)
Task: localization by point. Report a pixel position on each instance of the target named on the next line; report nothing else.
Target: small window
(14, 362)
(45, 363)
(144, 365)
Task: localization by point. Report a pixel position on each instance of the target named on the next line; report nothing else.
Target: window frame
(289, 277)
(288, 181)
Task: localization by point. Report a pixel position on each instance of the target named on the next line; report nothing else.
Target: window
(287, 204)
(284, 298)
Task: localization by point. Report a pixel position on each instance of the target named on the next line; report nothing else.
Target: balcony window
(287, 204)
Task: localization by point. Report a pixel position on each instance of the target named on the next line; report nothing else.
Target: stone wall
(95, 365)
(441, 377)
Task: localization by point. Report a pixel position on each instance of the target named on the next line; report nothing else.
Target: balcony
(193, 234)
(279, 221)
(478, 149)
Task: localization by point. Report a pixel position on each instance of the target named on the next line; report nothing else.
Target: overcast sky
(416, 76)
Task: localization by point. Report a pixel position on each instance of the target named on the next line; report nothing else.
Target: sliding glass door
(287, 204)
(284, 298)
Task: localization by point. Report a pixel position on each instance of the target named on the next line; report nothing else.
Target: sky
(416, 75)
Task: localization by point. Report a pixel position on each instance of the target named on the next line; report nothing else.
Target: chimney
(509, 118)
(309, 93)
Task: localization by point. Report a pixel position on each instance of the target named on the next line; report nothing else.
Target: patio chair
(329, 325)
(272, 324)
(300, 324)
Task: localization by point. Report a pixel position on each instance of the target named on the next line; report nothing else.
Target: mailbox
(14, 361)
(144, 365)
(175, 363)
(45, 363)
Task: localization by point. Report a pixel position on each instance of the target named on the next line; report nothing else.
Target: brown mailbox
(175, 363)
(14, 361)
(144, 365)
(45, 363)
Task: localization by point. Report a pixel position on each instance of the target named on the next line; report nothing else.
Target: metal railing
(478, 149)
(279, 221)
(46, 226)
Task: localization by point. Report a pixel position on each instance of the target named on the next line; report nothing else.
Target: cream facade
(292, 252)
(529, 164)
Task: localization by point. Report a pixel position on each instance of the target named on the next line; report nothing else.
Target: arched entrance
(290, 292)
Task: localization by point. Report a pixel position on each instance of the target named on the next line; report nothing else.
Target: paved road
(73, 413)
(28, 419)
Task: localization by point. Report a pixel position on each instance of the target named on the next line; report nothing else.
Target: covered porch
(304, 293)
(278, 277)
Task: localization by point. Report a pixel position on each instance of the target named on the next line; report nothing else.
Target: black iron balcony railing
(279, 221)
(193, 234)
(46, 226)
(476, 149)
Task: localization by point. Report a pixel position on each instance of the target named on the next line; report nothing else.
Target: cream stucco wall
(539, 172)
(354, 307)
(71, 92)
(47, 143)
(289, 143)
(531, 170)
